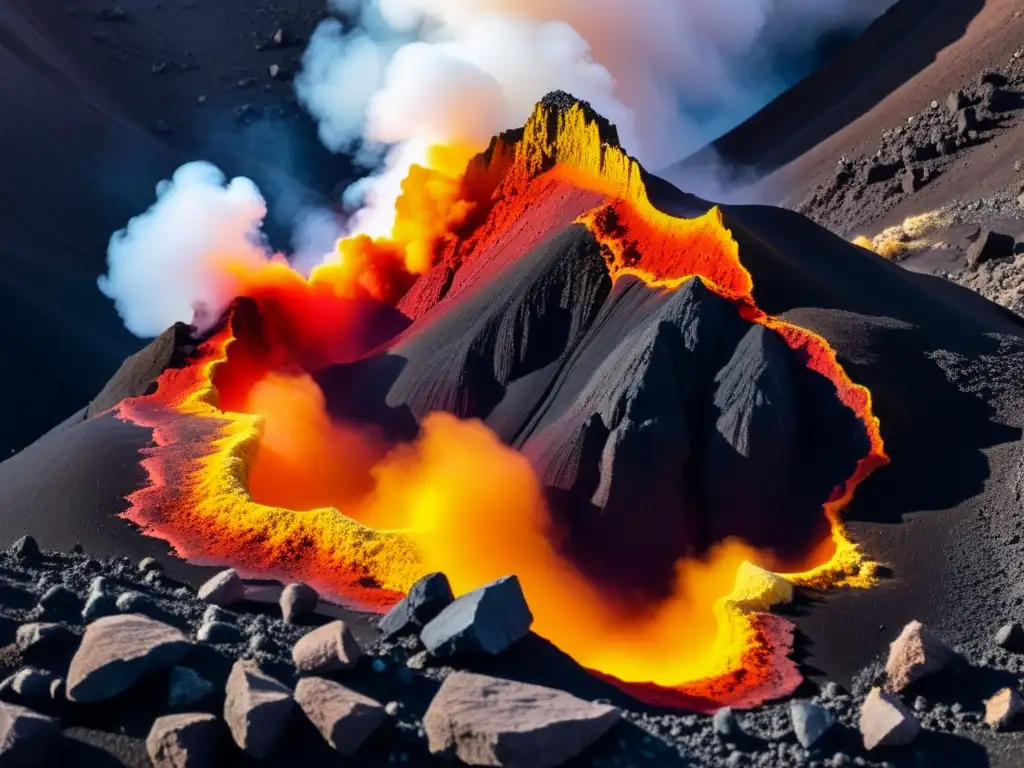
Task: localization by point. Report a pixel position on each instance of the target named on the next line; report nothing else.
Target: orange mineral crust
(248, 468)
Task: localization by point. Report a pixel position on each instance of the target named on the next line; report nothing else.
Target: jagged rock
(966, 121)
(33, 684)
(726, 725)
(184, 741)
(42, 635)
(26, 549)
(217, 632)
(298, 600)
(810, 722)
(1010, 637)
(26, 737)
(345, 718)
(59, 600)
(187, 687)
(886, 722)
(118, 651)
(426, 599)
(483, 720)
(150, 564)
(916, 653)
(956, 101)
(329, 648)
(487, 620)
(257, 708)
(226, 588)
(1003, 708)
(990, 245)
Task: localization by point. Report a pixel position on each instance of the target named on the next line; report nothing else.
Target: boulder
(118, 651)
(885, 721)
(298, 600)
(345, 718)
(256, 708)
(810, 722)
(1003, 708)
(485, 621)
(184, 741)
(187, 687)
(26, 737)
(98, 605)
(1010, 637)
(41, 635)
(25, 549)
(136, 602)
(484, 720)
(726, 725)
(427, 598)
(989, 245)
(226, 588)
(59, 601)
(915, 654)
(330, 648)
(217, 632)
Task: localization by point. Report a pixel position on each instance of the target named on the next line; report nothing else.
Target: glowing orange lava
(249, 470)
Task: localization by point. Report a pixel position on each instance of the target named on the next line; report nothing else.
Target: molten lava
(249, 470)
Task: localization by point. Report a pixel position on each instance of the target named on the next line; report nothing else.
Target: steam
(671, 74)
(171, 260)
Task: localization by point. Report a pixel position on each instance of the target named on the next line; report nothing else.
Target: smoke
(671, 74)
(174, 257)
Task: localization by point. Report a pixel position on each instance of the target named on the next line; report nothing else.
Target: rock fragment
(345, 718)
(426, 599)
(810, 722)
(726, 725)
(989, 245)
(219, 632)
(330, 648)
(966, 121)
(257, 708)
(886, 722)
(1010, 637)
(1003, 708)
(118, 651)
(183, 741)
(485, 621)
(148, 564)
(224, 589)
(26, 737)
(956, 101)
(483, 720)
(915, 654)
(41, 635)
(187, 687)
(59, 601)
(26, 550)
(298, 600)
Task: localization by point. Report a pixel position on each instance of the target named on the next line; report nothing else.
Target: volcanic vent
(559, 381)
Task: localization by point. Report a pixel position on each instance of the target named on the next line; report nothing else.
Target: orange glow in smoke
(249, 470)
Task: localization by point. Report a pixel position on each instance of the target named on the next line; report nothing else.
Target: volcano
(654, 410)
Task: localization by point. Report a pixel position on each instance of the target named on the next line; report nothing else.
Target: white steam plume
(669, 73)
(171, 259)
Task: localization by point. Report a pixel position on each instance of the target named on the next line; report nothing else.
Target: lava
(248, 470)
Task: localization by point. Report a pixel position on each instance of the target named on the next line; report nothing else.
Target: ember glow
(249, 469)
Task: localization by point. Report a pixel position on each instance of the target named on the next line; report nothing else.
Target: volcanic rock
(226, 588)
(426, 599)
(187, 687)
(330, 648)
(885, 721)
(345, 718)
(42, 635)
(990, 245)
(916, 653)
(26, 737)
(218, 632)
(150, 564)
(298, 600)
(956, 101)
(966, 121)
(810, 722)
(487, 620)
(484, 720)
(33, 684)
(911, 180)
(726, 725)
(118, 651)
(1010, 637)
(25, 549)
(59, 601)
(257, 709)
(136, 602)
(1003, 708)
(98, 605)
(184, 741)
